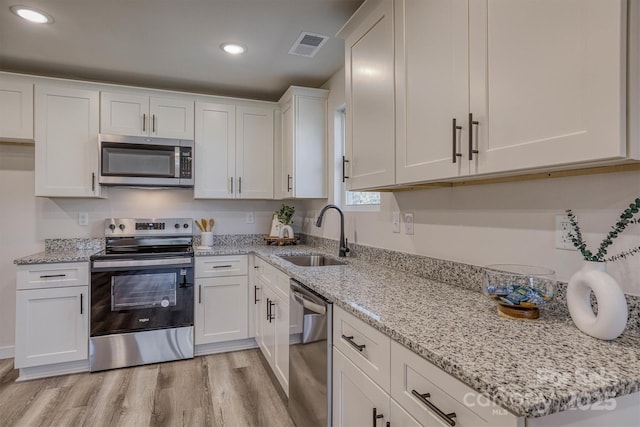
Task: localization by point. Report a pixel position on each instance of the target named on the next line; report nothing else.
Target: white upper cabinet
(141, 115)
(66, 138)
(16, 110)
(547, 82)
(234, 151)
(369, 91)
(215, 142)
(254, 152)
(484, 87)
(303, 144)
(433, 88)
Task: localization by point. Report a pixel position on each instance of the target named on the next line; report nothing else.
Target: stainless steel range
(142, 293)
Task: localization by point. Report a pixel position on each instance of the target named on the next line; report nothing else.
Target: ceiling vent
(308, 44)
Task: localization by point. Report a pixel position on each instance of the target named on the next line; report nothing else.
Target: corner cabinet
(484, 88)
(143, 115)
(16, 110)
(234, 146)
(66, 140)
(303, 146)
(369, 91)
(52, 314)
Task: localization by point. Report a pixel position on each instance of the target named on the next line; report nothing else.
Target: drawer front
(221, 266)
(39, 276)
(265, 272)
(447, 395)
(374, 358)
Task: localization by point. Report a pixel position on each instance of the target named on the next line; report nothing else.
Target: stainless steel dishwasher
(310, 341)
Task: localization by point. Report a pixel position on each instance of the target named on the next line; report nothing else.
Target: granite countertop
(532, 368)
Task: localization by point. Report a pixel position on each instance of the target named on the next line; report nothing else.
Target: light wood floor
(223, 390)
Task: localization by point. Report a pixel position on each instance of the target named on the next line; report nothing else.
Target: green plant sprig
(285, 214)
(626, 219)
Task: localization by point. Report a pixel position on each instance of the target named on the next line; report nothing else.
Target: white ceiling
(175, 44)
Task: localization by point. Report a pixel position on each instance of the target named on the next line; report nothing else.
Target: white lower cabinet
(272, 322)
(52, 321)
(222, 299)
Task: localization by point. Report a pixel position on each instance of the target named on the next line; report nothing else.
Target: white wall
(497, 223)
(26, 220)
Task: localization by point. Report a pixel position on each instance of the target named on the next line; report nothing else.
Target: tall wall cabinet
(303, 146)
(484, 87)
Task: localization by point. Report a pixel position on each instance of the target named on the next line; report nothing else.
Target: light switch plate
(408, 223)
(83, 218)
(250, 218)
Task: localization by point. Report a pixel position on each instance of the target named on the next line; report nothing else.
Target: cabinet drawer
(373, 357)
(411, 372)
(218, 266)
(38, 276)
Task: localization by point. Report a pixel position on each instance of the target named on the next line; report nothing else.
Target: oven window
(143, 291)
(152, 161)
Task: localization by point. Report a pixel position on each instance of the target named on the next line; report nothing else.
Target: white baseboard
(7, 352)
(53, 370)
(224, 347)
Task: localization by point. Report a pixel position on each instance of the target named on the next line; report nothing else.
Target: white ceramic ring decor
(286, 231)
(612, 314)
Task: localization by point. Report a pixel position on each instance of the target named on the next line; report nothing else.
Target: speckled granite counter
(532, 368)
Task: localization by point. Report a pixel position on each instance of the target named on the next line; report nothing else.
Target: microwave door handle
(176, 169)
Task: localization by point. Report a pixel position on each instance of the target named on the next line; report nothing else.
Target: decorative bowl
(520, 290)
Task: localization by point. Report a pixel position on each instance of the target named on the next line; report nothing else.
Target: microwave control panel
(186, 161)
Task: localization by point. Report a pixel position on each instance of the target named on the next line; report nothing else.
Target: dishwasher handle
(308, 300)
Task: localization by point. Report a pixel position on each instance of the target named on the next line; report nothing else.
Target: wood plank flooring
(222, 390)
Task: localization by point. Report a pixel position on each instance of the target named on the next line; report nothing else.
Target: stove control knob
(112, 227)
(177, 225)
(186, 225)
(121, 227)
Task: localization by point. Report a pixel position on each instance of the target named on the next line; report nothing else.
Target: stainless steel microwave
(145, 161)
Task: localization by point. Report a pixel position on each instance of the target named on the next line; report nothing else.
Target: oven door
(141, 294)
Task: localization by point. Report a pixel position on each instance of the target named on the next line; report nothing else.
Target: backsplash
(454, 273)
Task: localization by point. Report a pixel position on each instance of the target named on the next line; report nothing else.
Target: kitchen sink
(311, 260)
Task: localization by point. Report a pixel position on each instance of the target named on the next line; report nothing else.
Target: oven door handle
(141, 262)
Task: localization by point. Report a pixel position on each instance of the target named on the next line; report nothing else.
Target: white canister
(206, 238)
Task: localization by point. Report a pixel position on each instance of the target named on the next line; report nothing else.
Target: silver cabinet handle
(239, 185)
(199, 294)
(153, 128)
(289, 187)
(49, 276)
(231, 185)
(144, 123)
(93, 181)
(447, 418)
(455, 154)
(223, 266)
(255, 294)
(472, 123)
(350, 340)
(81, 304)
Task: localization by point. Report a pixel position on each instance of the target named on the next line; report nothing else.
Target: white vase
(286, 231)
(612, 314)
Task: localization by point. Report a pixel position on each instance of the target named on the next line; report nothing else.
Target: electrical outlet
(408, 223)
(250, 218)
(563, 231)
(395, 222)
(83, 218)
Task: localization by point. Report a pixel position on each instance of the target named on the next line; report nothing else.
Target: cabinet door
(433, 89)
(52, 326)
(254, 152)
(124, 114)
(281, 346)
(255, 307)
(369, 86)
(16, 110)
(215, 160)
(267, 325)
(400, 417)
(66, 136)
(285, 180)
(356, 396)
(171, 118)
(547, 82)
(221, 309)
(309, 152)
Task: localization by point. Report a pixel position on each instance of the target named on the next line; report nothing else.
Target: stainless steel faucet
(343, 242)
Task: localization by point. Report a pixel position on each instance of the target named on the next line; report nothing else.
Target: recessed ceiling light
(32, 15)
(233, 48)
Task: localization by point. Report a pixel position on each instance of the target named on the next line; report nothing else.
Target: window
(351, 199)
